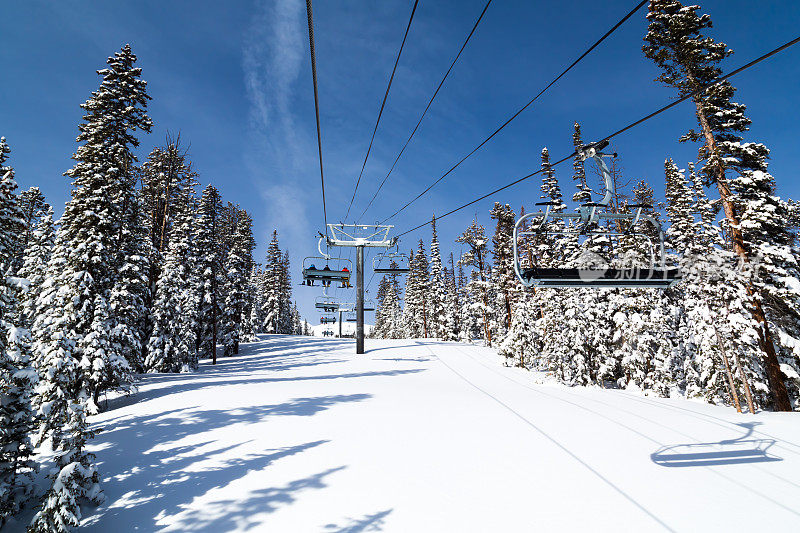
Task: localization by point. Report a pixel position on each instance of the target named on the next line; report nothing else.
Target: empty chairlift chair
(327, 304)
(391, 263)
(586, 223)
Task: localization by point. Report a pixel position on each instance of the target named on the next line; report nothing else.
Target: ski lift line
(523, 108)
(430, 102)
(618, 132)
(383, 104)
(310, 14)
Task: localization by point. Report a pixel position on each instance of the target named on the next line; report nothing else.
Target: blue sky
(234, 79)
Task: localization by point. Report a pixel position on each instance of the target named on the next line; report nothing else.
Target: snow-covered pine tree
(297, 324)
(239, 256)
(393, 319)
(285, 296)
(505, 280)
(130, 298)
(76, 479)
(17, 378)
(33, 206)
(453, 304)
(34, 265)
(678, 43)
(479, 285)
(379, 329)
(584, 192)
(272, 285)
(257, 299)
(164, 175)
(437, 290)
(75, 357)
(415, 312)
(208, 267)
(172, 346)
(713, 295)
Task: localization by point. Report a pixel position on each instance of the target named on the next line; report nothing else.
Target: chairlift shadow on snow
(741, 450)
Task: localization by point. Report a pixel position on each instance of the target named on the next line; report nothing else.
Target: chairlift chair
(327, 304)
(318, 268)
(327, 320)
(586, 223)
(369, 305)
(391, 263)
(351, 316)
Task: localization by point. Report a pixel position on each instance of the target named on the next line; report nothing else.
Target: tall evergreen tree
(17, 378)
(479, 286)
(33, 206)
(236, 286)
(678, 43)
(505, 280)
(273, 284)
(209, 263)
(172, 345)
(437, 289)
(34, 265)
(416, 310)
(76, 355)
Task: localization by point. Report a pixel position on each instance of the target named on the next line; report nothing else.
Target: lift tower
(360, 236)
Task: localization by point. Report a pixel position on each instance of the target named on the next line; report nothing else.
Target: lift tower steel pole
(340, 323)
(359, 299)
(359, 236)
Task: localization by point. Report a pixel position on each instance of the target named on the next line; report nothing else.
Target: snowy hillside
(299, 434)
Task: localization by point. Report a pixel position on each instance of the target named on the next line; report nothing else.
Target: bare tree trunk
(486, 330)
(777, 388)
(214, 320)
(747, 392)
(731, 384)
(424, 320)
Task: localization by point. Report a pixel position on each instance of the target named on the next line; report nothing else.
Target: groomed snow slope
(299, 434)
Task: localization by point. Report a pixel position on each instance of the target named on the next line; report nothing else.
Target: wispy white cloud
(273, 54)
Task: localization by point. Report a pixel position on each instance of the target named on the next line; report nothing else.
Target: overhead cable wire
(436, 92)
(310, 14)
(523, 108)
(383, 104)
(620, 131)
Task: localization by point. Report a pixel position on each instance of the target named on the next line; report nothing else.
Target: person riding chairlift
(326, 283)
(345, 282)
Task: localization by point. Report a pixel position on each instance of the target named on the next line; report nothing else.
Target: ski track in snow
(299, 434)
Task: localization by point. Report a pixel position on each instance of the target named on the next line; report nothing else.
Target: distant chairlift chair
(586, 223)
(327, 304)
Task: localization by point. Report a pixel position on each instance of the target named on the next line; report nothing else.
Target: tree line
(140, 274)
(728, 332)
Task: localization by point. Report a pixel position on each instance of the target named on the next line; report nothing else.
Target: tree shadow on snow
(200, 384)
(371, 522)
(741, 450)
(152, 478)
(242, 514)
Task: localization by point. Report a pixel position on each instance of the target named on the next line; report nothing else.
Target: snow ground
(299, 434)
